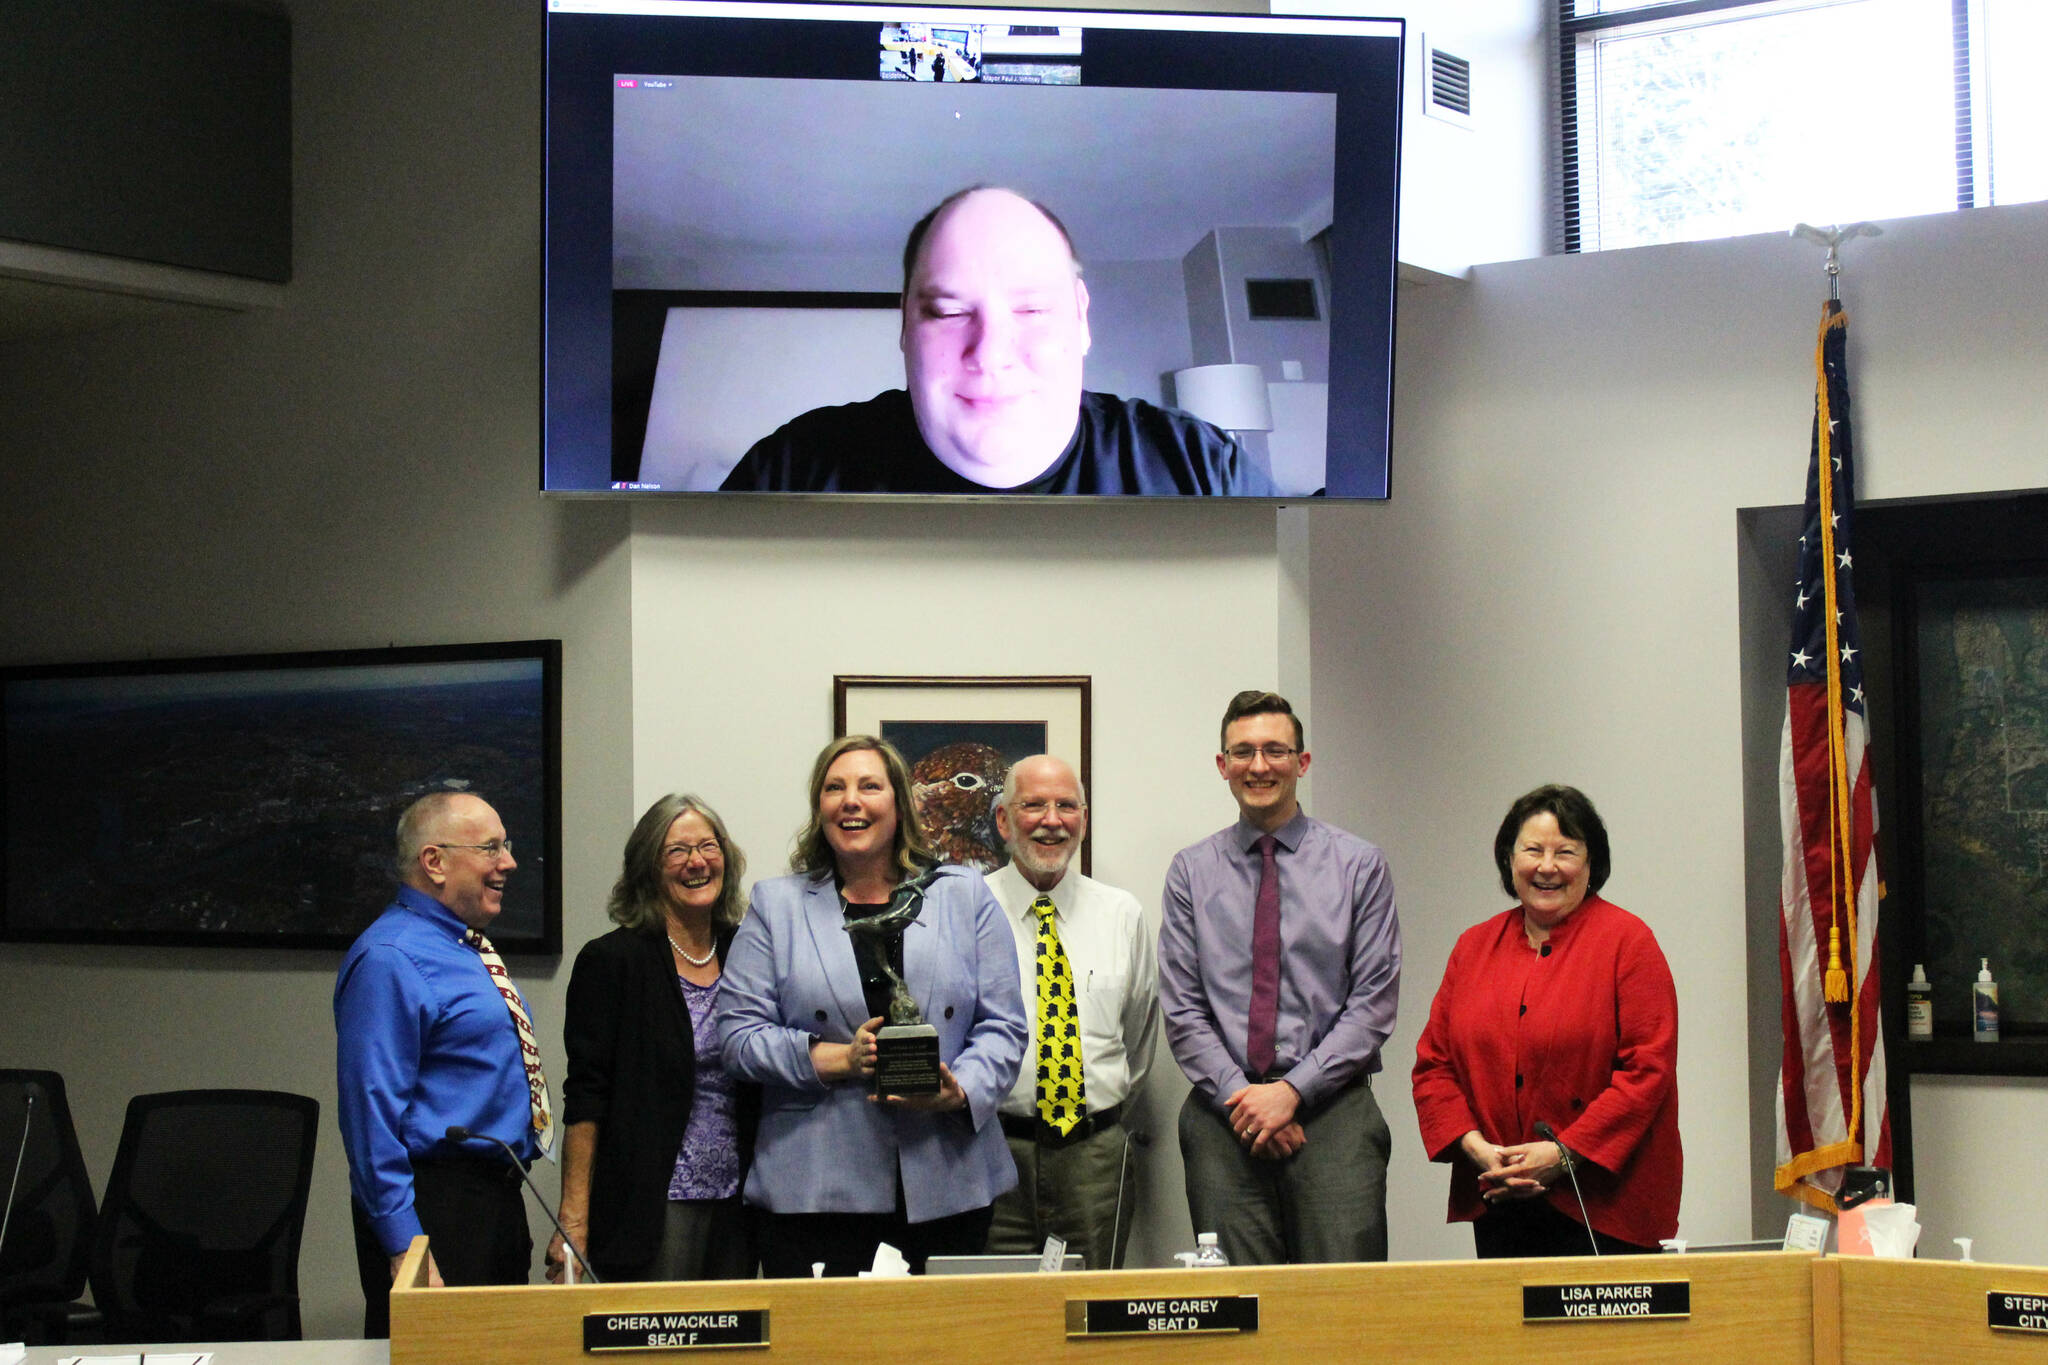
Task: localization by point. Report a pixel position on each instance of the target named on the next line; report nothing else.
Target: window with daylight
(1688, 119)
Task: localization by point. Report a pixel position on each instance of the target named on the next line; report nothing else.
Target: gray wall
(1264, 253)
(359, 468)
(1138, 328)
(1552, 595)
(354, 469)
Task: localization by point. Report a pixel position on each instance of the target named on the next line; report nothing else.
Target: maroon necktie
(1265, 1007)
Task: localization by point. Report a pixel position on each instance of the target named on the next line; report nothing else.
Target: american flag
(1831, 1083)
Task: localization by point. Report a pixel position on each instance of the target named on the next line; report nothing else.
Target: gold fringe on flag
(1842, 894)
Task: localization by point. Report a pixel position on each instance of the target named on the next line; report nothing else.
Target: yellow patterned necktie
(1061, 1102)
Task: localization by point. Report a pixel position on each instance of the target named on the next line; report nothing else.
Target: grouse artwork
(955, 787)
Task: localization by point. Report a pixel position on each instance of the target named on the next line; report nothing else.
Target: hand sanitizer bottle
(1984, 1004)
(1919, 1005)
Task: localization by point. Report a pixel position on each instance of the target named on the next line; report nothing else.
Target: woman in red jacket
(1551, 1049)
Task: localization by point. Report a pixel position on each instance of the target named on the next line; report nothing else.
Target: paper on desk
(889, 1263)
(12, 1352)
(151, 1358)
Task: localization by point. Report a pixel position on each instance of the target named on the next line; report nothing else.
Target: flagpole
(1832, 238)
(1841, 898)
(1841, 983)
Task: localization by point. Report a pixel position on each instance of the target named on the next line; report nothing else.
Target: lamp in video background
(1232, 397)
(1229, 396)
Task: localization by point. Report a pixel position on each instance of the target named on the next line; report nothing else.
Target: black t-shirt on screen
(1120, 446)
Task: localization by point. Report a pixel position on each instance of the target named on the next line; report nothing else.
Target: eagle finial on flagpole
(1832, 238)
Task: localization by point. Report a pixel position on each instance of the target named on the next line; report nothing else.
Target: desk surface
(239, 1352)
(1745, 1308)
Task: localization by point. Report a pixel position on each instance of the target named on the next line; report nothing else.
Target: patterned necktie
(536, 1083)
(1061, 1102)
(1264, 1016)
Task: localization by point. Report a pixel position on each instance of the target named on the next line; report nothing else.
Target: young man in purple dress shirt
(1279, 972)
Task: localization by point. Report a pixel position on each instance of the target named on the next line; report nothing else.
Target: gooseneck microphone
(1571, 1168)
(28, 1112)
(460, 1134)
(1123, 1170)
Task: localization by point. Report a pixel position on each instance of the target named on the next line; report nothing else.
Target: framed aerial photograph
(1973, 838)
(960, 735)
(253, 800)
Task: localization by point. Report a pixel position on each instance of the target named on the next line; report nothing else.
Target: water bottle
(1206, 1255)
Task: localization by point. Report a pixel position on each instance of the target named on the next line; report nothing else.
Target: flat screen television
(730, 188)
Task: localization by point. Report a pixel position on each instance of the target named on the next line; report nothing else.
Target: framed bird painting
(960, 735)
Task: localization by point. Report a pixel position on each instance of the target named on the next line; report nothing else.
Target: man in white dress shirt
(1091, 987)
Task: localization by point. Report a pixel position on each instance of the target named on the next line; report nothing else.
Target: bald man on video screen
(995, 328)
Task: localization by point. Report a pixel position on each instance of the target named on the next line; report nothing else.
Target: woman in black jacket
(656, 1137)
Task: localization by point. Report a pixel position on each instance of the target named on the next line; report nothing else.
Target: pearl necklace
(687, 956)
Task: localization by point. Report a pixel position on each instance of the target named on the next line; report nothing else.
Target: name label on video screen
(1604, 1302)
(1149, 1317)
(2016, 1312)
(693, 1329)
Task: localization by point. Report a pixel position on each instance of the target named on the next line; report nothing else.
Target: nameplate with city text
(1183, 1314)
(1607, 1302)
(688, 1329)
(2016, 1312)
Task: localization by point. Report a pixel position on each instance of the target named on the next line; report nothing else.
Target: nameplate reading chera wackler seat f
(2016, 1312)
(1605, 1302)
(691, 1329)
(1146, 1317)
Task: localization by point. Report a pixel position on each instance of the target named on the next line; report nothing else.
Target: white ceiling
(720, 178)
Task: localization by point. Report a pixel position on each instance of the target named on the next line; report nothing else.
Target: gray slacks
(1071, 1191)
(1327, 1202)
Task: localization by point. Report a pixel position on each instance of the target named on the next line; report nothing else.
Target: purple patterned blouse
(708, 1164)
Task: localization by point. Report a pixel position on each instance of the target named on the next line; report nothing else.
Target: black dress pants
(1534, 1227)
(474, 1213)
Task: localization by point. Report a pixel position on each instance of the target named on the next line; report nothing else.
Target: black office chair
(46, 1230)
(200, 1224)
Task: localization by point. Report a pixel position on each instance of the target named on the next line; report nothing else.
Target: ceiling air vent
(1281, 300)
(1447, 83)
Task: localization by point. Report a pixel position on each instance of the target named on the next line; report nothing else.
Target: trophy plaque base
(907, 1060)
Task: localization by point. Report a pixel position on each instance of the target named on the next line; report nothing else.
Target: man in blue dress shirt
(1279, 971)
(426, 1040)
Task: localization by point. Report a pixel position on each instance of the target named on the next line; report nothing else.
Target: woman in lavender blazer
(836, 1172)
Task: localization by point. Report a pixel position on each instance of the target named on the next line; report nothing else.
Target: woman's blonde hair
(812, 853)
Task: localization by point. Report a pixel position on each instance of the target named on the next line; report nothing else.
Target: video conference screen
(864, 250)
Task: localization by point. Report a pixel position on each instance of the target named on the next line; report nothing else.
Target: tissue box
(1878, 1228)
